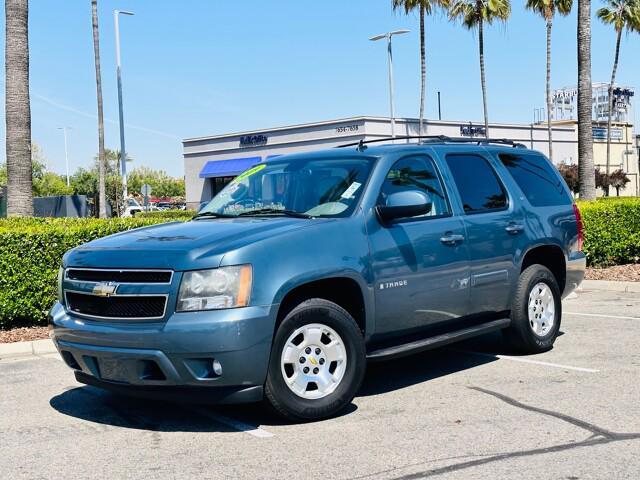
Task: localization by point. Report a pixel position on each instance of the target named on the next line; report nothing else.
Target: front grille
(119, 276)
(124, 307)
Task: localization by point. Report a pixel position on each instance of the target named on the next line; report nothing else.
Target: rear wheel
(317, 362)
(536, 311)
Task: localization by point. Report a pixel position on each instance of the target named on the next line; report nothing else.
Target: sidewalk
(610, 286)
(21, 349)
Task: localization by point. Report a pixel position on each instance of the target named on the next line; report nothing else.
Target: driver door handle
(451, 239)
(514, 228)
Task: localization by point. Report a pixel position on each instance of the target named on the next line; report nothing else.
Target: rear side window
(537, 178)
(478, 185)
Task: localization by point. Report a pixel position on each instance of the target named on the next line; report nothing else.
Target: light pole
(123, 151)
(388, 36)
(66, 152)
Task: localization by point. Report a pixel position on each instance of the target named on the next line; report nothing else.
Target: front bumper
(171, 356)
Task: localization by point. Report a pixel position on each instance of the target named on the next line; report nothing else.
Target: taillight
(576, 212)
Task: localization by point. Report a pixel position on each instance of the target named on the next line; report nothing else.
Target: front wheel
(536, 311)
(317, 362)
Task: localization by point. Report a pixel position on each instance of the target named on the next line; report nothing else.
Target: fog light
(217, 368)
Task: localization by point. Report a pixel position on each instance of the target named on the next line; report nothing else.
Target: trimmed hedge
(31, 250)
(611, 230)
(168, 215)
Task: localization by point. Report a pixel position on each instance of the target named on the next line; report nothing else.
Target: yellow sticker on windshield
(250, 172)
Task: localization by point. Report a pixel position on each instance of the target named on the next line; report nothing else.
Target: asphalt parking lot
(470, 411)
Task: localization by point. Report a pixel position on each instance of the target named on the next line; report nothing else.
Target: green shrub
(168, 215)
(31, 251)
(611, 230)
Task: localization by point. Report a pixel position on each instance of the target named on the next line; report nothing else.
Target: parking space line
(235, 424)
(527, 360)
(619, 317)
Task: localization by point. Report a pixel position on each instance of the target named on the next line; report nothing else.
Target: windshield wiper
(275, 211)
(213, 215)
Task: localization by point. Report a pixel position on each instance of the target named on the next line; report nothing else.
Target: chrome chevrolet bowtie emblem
(105, 289)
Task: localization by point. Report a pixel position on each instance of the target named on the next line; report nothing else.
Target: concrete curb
(22, 349)
(611, 286)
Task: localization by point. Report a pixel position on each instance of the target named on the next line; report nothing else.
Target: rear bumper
(576, 266)
(221, 353)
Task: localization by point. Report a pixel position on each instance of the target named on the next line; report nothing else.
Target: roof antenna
(361, 146)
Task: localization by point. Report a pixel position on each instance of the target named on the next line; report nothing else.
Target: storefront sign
(600, 133)
(472, 131)
(253, 140)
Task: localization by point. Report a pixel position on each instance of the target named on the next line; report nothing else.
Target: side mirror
(404, 205)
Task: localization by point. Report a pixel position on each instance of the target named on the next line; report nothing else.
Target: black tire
(520, 334)
(281, 397)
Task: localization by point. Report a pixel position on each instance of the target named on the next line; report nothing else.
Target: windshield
(328, 187)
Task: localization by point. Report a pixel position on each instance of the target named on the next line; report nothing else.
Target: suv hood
(179, 245)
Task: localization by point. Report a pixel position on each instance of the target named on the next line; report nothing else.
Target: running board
(437, 341)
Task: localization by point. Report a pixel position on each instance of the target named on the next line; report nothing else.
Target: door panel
(420, 265)
(494, 227)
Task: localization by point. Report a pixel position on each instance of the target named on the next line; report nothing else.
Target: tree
(622, 14)
(585, 103)
(548, 8)
(18, 109)
(474, 14)
(44, 182)
(619, 180)
(570, 175)
(102, 200)
(425, 7)
(162, 185)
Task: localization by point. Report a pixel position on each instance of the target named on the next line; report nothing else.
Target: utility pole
(66, 152)
(123, 151)
(388, 36)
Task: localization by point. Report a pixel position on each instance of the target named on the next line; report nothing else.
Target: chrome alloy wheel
(313, 361)
(542, 309)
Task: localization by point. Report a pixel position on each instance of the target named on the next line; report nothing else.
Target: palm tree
(102, 195)
(548, 8)
(622, 14)
(585, 103)
(474, 14)
(425, 7)
(18, 109)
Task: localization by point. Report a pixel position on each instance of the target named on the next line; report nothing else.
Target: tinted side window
(416, 173)
(479, 187)
(537, 179)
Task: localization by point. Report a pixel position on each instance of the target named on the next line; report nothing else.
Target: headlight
(60, 276)
(224, 287)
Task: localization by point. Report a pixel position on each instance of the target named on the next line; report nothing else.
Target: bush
(168, 215)
(31, 251)
(611, 231)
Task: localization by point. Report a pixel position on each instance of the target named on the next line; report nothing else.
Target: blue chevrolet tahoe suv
(307, 266)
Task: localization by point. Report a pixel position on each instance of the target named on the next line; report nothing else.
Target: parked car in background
(307, 266)
(132, 208)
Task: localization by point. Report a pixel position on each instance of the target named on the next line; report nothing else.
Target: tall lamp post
(123, 151)
(388, 36)
(66, 152)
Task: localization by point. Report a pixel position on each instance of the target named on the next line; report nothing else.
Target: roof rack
(361, 145)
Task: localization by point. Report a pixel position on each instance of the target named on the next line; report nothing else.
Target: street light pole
(388, 36)
(123, 151)
(66, 152)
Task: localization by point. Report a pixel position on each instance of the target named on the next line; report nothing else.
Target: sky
(207, 67)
